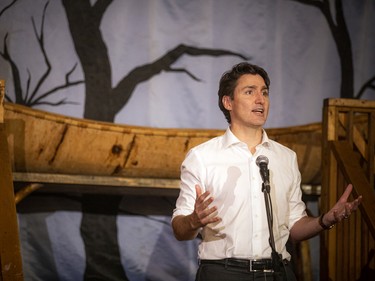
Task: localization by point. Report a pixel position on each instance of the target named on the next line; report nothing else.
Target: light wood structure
(10, 253)
(348, 157)
(91, 148)
(47, 151)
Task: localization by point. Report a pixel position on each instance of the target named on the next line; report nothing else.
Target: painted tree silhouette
(340, 33)
(33, 96)
(103, 102)
(7, 7)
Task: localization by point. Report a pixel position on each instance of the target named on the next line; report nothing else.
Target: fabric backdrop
(291, 40)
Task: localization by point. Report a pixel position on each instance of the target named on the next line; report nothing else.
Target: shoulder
(212, 144)
(205, 151)
(277, 145)
(282, 150)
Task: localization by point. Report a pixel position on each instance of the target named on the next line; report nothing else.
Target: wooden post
(10, 254)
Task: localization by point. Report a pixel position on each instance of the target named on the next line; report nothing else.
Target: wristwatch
(322, 224)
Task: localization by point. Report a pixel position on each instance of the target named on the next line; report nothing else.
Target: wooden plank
(2, 93)
(97, 180)
(333, 181)
(25, 191)
(339, 246)
(331, 240)
(326, 156)
(360, 245)
(355, 174)
(349, 103)
(88, 147)
(371, 148)
(10, 253)
(351, 248)
(57, 183)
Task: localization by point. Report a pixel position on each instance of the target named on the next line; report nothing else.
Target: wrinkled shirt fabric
(227, 169)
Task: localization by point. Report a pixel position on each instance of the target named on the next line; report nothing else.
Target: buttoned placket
(256, 202)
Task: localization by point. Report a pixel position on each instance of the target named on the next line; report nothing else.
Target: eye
(265, 93)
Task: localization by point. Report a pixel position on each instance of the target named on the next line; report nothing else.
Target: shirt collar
(230, 139)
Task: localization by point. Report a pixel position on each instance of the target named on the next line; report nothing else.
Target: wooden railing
(348, 157)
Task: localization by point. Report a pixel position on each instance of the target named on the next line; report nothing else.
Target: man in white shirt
(221, 195)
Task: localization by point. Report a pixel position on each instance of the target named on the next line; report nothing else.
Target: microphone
(262, 162)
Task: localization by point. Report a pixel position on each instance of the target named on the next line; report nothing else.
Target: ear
(227, 102)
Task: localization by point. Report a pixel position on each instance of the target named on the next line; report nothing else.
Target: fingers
(201, 197)
(352, 207)
(346, 207)
(198, 190)
(203, 212)
(208, 216)
(203, 206)
(347, 210)
(339, 216)
(344, 197)
(357, 202)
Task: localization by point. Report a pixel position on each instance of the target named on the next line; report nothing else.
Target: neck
(252, 136)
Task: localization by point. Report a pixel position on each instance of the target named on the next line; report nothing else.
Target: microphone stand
(277, 259)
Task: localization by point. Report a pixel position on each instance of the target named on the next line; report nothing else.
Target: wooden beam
(99, 184)
(354, 174)
(10, 253)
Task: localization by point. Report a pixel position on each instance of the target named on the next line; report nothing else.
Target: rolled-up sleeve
(296, 205)
(191, 171)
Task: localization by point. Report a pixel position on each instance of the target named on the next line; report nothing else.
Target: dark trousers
(217, 272)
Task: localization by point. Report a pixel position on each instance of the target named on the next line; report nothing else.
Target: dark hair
(228, 82)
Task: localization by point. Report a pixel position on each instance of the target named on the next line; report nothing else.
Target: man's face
(250, 104)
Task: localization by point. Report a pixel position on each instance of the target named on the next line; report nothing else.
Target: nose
(260, 98)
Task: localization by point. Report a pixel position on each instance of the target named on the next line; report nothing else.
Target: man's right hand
(203, 214)
(187, 227)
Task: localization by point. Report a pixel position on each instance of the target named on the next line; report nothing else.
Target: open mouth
(258, 110)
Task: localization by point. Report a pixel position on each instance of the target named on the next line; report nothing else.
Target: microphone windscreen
(261, 159)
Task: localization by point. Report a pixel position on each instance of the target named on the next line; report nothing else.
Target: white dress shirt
(225, 166)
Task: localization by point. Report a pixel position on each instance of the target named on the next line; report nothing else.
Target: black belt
(251, 265)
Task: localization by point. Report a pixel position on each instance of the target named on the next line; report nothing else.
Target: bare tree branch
(28, 83)
(7, 98)
(341, 36)
(194, 51)
(183, 70)
(316, 3)
(323, 6)
(15, 72)
(124, 89)
(370, 84)
(30, 97)
(67, 84)
(7, 7)
(61, 102)
(40, 39)
(145, 72)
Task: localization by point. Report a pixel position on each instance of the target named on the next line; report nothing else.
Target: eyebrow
(254, 87)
